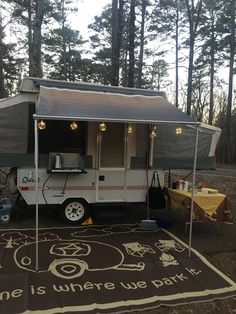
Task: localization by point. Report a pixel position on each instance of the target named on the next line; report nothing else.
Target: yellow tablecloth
(208, 202)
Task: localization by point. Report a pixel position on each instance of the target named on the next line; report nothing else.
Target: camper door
(111, 163)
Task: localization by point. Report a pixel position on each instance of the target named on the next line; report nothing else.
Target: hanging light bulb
(154, 133)
(74, 126)
(41, 125)
(130, 129)
(103, 127)
(178, 130)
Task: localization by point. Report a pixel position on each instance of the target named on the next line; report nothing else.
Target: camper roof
(32, 84)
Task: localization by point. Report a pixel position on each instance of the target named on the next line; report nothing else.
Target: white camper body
(94, 186)
(108, 178)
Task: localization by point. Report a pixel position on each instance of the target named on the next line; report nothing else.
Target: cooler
(5, 209)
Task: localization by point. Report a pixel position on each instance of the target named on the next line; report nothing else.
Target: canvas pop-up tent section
(104, 158)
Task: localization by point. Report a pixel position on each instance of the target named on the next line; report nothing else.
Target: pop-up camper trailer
(123, 135)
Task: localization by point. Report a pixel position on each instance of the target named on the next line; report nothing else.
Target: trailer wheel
(74, 211)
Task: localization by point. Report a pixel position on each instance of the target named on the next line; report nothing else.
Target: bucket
(186, 185)
(5, 210)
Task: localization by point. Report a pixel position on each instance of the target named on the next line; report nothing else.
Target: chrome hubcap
(74, 211)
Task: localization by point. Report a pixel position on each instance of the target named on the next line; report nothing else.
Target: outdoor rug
(102, 269)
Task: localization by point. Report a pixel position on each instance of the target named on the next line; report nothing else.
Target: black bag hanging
(156, 194)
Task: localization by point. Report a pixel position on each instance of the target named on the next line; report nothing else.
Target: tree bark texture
(30, 36)
(65, 71)
(114, 50)
(193, 18)
(120, 33)
(230, 88)
(2, 87)
(177, 57)
(35, 67)
(131, 44)
(117, 33)
(212, 73)
(140, 63)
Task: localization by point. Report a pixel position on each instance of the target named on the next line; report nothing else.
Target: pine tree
(210, 52)
(63, 53)
(9, 63)
(168, 17)
(232, 51)
(101, 44)
(31, 14)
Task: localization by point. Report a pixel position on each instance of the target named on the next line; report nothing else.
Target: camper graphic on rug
(69, 259)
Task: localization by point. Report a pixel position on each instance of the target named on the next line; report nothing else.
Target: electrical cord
(64, 187)
(43, 186)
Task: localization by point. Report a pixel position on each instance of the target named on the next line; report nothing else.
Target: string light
(130, 129)
(41, 125)
(103, 127)
(178, 130)
(154, 133)
(74, 126)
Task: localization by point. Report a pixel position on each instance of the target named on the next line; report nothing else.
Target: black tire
(74, 211)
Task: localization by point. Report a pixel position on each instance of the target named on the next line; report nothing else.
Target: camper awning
(66, 104)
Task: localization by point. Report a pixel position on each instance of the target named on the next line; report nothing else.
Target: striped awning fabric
(66, 104)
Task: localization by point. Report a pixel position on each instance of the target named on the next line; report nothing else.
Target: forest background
(183, 47)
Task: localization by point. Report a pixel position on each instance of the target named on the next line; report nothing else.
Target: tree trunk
(30, 47)
(65, 72)
(124, 68)
(193, 24)
(114, 50)
(177, 57)
(230, 88)
(140, 63)
(70, 71)
(131, 44)
(117, 33)
(2, 87)
(212, 73)
(35, 58)
(190, 73)
(120, 32)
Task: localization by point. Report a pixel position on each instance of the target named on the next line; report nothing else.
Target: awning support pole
(36, 158)
(192, 196)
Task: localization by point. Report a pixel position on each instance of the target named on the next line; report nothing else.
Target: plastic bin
(5, 210)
